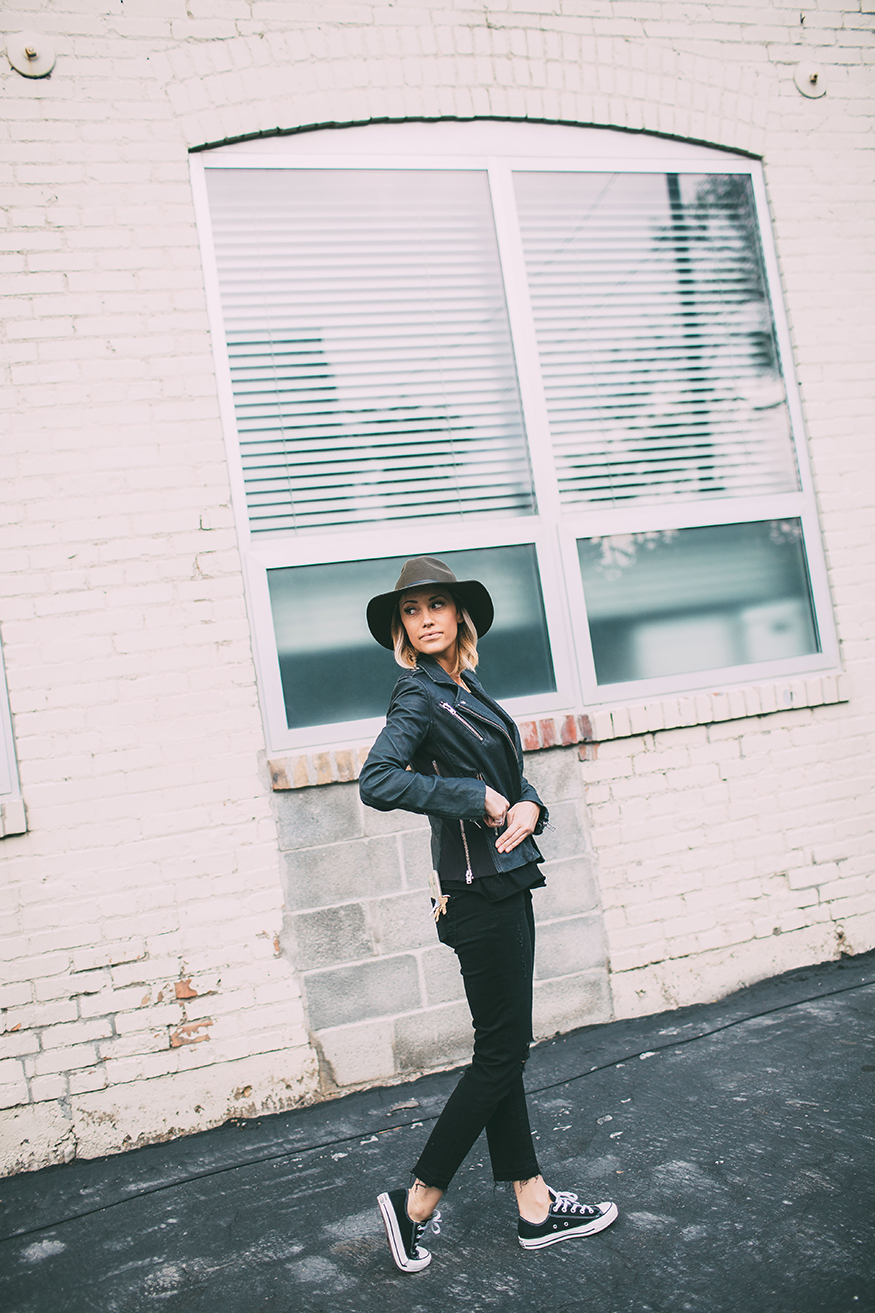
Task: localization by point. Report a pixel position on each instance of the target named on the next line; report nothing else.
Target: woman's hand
(521, 821)
(494, 808)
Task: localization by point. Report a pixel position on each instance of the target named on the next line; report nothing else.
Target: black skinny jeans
(495, 945)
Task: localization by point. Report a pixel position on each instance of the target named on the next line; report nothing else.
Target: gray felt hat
(419, 572)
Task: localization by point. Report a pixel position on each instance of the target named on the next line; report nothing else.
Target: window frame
(483, 145)
(12, 814)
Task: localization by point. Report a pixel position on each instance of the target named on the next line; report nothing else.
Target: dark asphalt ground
(738, 1139)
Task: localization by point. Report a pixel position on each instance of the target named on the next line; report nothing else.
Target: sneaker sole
(396, 1244)
(592, 1228)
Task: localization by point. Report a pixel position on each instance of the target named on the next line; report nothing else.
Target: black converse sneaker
(567, 1218)
(403, 1233)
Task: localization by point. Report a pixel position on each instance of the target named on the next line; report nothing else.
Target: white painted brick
(67, 986)
(96, 756)
(17, 1043)
(111, 1001)
(627, 959)
(147, 1019)
(689, 928)
(16, 995)
(20, 965)
(77, 1032)
(48, 1087)
(155, 1040)
(43, 1014)
(673, 756)
(86, 1081)
(11, 1070)
(13, 1094)
(65, 1059)
(141, 1066)
(656, 911)
(858, 906)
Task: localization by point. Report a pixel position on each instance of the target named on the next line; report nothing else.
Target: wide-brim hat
(419, 572)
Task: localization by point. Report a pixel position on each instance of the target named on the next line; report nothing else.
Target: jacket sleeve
(528, 794)
(386, 783)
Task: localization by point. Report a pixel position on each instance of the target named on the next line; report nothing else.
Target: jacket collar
(436, 673)
(429, 666)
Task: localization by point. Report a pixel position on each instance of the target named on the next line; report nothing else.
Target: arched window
(553, 356)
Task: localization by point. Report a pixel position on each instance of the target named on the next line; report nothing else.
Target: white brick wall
(730, 848)
(725, 851)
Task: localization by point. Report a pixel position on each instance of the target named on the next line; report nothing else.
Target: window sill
(704, 708)
(343, 765)
(13, 819)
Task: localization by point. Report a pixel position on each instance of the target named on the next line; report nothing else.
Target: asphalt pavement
(737, 1138)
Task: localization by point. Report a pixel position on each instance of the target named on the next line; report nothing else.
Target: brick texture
(702, 843)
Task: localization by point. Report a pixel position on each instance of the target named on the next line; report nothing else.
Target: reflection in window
(331, 668)
(655, 336)
(679, 600)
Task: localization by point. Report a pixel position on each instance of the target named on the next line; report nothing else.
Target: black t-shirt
(501, 885)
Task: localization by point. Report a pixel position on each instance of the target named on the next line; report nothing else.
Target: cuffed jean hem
(431, 1183)
(428, 1181)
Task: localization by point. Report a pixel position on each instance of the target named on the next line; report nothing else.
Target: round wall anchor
(31, 54)
(809, 80)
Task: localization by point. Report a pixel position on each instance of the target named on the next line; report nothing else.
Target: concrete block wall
(149, 985)
(383, 996)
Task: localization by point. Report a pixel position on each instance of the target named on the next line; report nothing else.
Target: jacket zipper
(453, 712)
(490, 723)
(469, 875)
(489, 847)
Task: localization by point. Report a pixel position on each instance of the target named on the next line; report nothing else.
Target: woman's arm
(495, 808)
(529, 794)
(526, 792)
(386, 783)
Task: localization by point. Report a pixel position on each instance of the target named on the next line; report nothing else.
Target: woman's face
(431, 619)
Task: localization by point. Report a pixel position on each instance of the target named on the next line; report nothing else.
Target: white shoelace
(430, 1224)
(566, 1202)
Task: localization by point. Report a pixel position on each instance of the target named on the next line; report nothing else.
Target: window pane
(655, 336)
(369, 345)
(331, 668)
(681, 600)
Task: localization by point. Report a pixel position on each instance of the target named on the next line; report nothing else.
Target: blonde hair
(466, 643)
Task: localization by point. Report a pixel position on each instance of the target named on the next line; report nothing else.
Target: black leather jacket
(438, 751)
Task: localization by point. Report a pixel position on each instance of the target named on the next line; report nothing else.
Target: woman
(449, 752)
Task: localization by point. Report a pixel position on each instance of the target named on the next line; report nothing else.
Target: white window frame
(8, 768)
(12, 815)
(500, 149)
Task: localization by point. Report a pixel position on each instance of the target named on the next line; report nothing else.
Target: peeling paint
(186, 1034)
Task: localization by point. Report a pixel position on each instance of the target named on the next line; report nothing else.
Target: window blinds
(655, 336)
(370, 354)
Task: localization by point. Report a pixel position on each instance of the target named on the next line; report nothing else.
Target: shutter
(655, 336)
(369, 346)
